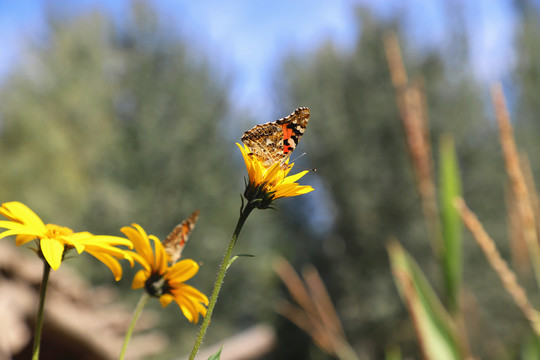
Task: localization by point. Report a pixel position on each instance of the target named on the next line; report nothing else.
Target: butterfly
(176, 241)
(275, 141)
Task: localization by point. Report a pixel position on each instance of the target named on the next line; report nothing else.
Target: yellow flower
(55, 240)
(269, 183)
(163, 281)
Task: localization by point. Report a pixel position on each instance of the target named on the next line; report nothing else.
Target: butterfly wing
(265, 142)
(275, 141)
(176, 241)
(293, 127)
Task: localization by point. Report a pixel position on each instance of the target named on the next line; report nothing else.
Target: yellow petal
(132, 256)
(11, 232)
(245, 156)
(16, 211)
(295, 177)
(23, 239)
(26, 232)
(188, 309)
(271, 173)
(76, 244)
(192, 293)
(161, 256)
(52, 250)
(109, 261)
(140, 241)
(165, 299)
(139, 279)
(182, 271)
(87, 238)
(288, 190)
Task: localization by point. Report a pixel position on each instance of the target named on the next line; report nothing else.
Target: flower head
(269, 183)
(55, 241)
(164, 281)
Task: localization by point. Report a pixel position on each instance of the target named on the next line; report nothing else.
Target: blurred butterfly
(175, 242)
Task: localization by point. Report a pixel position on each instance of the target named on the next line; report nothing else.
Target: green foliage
(451, 226)
(109, 124)
(216, 356)
(234, 258)
(531, 349)
(437, 333)
(355, 140)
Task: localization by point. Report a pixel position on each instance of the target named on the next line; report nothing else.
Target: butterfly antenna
(298, 157)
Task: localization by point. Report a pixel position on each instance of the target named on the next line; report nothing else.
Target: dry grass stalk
(412, 106)
(410, 297)
(533, 193)
(298, 317)
(517, 179)
(500, 266)
(518, 246)
(395, 62)
(315, 314)
(325, 309)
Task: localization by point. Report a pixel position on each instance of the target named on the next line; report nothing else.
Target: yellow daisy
(163, 281)
(269, 183)
(55, 241)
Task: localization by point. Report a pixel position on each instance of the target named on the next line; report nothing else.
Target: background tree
(355, 141)
(113, 121)
(110, 123)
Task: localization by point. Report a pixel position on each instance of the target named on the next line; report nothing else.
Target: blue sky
(246, 38)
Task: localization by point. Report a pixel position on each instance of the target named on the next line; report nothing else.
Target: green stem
(138, 310)
(39, 320)
(219, 280)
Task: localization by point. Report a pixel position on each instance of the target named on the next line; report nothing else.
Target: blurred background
(128, 111)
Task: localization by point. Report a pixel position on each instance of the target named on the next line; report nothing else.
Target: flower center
(57, 232)
(156, 285)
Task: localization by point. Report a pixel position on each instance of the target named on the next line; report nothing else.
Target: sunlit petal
(267, 183)
(164, 281)
(191, 292)
(161, 257)
(52, 250)
(55, 239)
(139, 279)
(183, 270)
(110, 262)
(18, 212)
(140, 241)
(165, 299)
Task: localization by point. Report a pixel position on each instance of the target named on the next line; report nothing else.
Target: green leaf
(451, 226)
(531, 348)
(236, 257)
(392, 353)
(217, 355)
(438, 336)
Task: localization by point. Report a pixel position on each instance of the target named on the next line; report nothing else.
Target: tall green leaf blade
(217, 355)
(451, 226)
(531, 348)
(435, 329)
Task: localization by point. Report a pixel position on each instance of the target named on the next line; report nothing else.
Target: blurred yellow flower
(163, 281)
(269, 183)
(55, 241)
